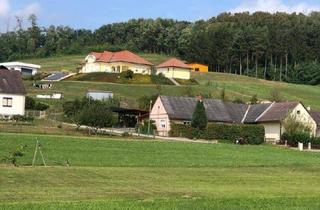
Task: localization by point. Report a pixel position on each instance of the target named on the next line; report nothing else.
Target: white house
(175, 69)
(12, 94)
(116, 62)
(26, 69)
(167, 110)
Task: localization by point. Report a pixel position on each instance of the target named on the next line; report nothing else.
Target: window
(298, 112)
(7, 102)
(168, 70)
(162, 123)
(186, 122)
(197, 69)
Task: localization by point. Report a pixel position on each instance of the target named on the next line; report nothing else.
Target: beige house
(116, 62)
(167, 110)
(175, 69)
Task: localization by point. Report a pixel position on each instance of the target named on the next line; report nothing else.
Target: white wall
(272, 131)
(177, 73)
(18, 104)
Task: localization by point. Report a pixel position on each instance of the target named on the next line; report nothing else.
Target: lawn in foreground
(126, 174)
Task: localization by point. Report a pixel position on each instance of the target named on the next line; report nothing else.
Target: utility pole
(149, 124)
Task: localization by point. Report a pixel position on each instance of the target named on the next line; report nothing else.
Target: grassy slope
(249, 86)
(158, 175)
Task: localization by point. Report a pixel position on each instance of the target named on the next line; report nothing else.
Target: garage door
(26, 72)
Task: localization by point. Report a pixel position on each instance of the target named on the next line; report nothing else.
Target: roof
(122, 56)
(9, 64)
(216, 110)
(11, 82)
(173, 62)
(316, 116)
(182, 108)
(277, 111)
(254, 111)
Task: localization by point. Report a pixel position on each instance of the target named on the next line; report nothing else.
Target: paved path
(121, 131)
(174, 82)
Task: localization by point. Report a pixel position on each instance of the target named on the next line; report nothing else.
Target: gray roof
(316, 116)
(182, 108)
(11, 82)
(254, 111)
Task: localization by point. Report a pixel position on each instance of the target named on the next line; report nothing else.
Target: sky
(94, 13)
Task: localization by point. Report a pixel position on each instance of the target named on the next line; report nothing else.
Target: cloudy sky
(94, 13)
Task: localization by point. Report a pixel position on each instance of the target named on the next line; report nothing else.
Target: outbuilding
(175, 69)
(26, 69)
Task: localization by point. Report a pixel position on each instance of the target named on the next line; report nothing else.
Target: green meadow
(145, 174)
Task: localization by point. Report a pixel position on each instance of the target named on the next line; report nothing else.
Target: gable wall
(161, 117)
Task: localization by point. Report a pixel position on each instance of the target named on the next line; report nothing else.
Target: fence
(36, 114)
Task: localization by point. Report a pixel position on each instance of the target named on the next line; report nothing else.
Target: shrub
(298, 137)
(32, 104)
(143, 128)
(254, 99)
(127, 74)
(252, 134)
(199, 117)
(20, 118)
(160, 79)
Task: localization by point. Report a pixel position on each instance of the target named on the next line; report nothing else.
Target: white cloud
(274, 6)
(30, 9)
(4, 8)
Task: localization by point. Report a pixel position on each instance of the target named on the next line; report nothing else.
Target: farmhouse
(174, 68)
(12, 94)
(167, 110)
(26, 69)
(198, 67)
(316, 116)
(116, 62)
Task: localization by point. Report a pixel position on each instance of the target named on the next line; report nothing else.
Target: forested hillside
(284, 47)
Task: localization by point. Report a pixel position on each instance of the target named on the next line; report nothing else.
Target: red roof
(122, 56)
(173, 62)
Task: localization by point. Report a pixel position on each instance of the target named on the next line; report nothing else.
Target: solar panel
(56, 76)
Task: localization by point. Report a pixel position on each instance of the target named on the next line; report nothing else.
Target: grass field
(126, 174)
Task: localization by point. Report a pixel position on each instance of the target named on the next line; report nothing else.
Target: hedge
(300, 137)
(250, 134)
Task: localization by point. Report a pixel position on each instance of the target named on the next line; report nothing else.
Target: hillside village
(164, 110)
(221, 113)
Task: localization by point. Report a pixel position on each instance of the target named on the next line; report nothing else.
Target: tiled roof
(122, 56)
(182, 108)
(254, 111)
(173, 62)
(277, 111)
(11, 82)
(316, 116)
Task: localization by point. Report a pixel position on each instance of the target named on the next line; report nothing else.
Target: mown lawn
(126, 174)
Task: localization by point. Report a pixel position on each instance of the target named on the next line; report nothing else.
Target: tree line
(280, 46)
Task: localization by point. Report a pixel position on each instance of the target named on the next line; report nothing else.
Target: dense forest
(282, 47)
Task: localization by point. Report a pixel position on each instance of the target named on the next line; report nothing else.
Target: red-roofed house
(116, 62)
(174, 68)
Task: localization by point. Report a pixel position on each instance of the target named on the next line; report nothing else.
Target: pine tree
(199, 118)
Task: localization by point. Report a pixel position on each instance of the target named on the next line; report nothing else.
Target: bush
(32, 104)
(298, 137)
(20, 118)
(127, 74)
(252, 134)
(143, 128)
(160, 79)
